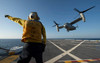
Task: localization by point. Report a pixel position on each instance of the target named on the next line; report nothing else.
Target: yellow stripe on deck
(91, 60)
(9, 59)
(80, 61)
(68, 61)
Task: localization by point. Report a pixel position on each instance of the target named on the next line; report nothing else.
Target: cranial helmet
(33, 15)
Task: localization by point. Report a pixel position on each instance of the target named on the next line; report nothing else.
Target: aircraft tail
(57, 26)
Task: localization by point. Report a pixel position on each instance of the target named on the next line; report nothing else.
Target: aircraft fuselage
(69, 27)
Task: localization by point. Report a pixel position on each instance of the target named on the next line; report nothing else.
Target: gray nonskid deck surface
(88, 50)
(59, 51)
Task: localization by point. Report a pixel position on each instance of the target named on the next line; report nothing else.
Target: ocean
(75, 38)
(8, 44)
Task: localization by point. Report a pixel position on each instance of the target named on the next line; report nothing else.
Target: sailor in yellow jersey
(33, 31)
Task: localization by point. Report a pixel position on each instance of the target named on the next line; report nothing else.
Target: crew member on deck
(33, 31)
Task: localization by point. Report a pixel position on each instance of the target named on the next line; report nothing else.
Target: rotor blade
(87, 9)
(55, 23)
(54, 26)
(76, 10)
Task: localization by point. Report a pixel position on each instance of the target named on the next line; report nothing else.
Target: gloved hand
(6, 16)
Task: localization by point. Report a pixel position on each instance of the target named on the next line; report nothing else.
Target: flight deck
(66, 51)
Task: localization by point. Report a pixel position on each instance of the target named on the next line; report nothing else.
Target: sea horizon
(62, 38)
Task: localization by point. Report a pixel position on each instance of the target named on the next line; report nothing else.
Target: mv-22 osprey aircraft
(69, 26)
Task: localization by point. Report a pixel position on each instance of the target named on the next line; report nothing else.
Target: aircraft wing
(75, 21)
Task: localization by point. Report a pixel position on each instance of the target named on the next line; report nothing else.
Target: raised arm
(17, 20)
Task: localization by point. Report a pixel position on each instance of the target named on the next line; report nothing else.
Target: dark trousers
(31, 50)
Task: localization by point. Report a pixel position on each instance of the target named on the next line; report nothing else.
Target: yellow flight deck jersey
(33, 30)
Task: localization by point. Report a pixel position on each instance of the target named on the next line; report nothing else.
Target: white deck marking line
(76, 46)
(65, 52)
(57, 46)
